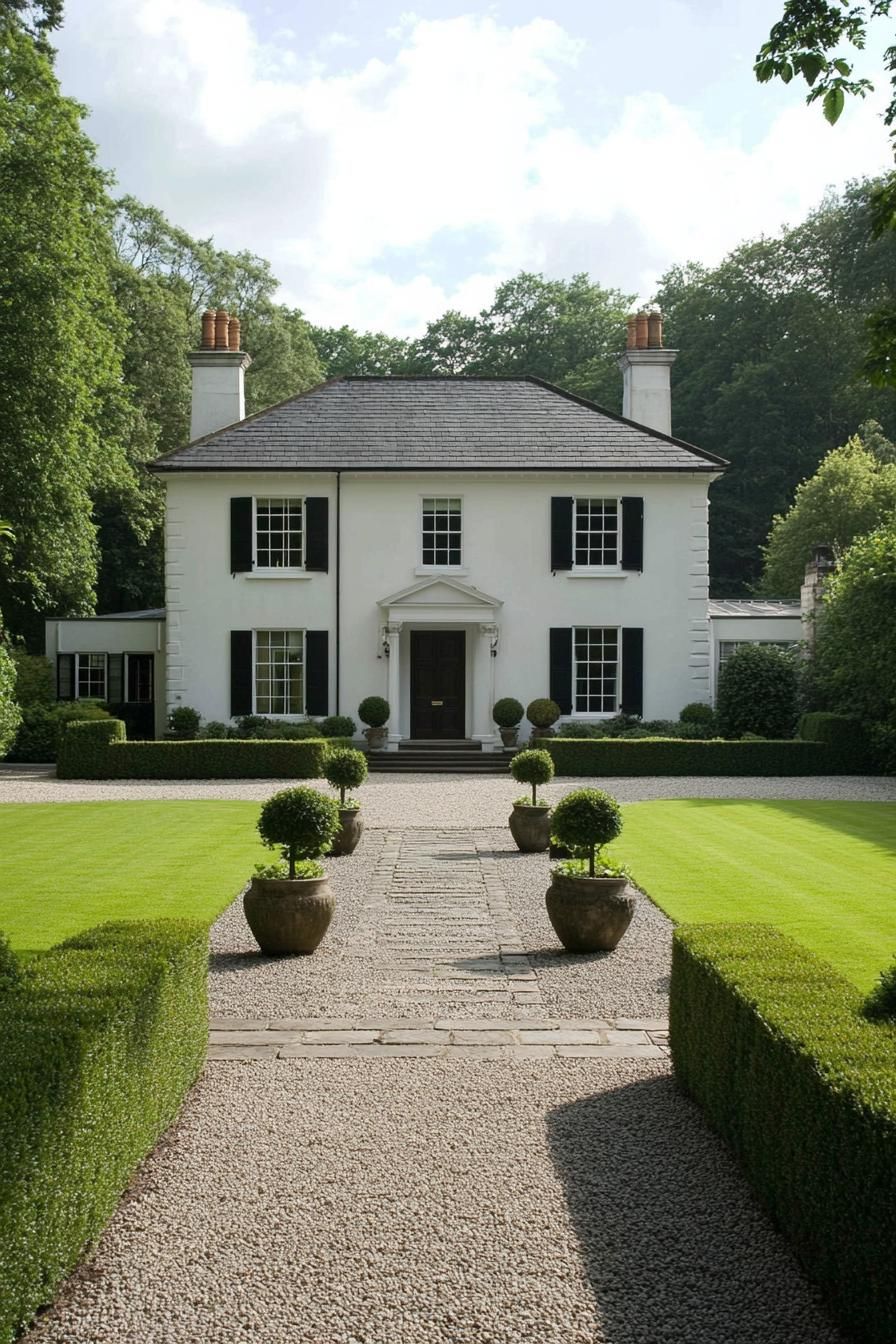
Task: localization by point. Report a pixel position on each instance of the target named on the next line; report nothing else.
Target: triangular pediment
(441, 591)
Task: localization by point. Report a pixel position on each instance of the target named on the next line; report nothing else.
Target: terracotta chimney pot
(655, 330)
(641, 321)
(233, 334)
(631, 338)
(221, 325)
(208, 329)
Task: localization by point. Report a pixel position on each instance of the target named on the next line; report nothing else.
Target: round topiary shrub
(344, 769)
(542, 713)
(532, 767)
(374, 711)
(585, 820)
(215, 730)
(300, 822)
(758, 693)
(508, 713)
(184, 721)
(697, 712)
(337, 725)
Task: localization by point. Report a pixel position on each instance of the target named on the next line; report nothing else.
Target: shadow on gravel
(673, 1244)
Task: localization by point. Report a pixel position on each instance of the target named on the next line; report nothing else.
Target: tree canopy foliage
(851, 493)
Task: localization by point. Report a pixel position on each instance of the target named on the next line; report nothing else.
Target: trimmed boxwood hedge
(100, 1039)
(677, 756)
(770, 1041)
(844, 737)
(87, 754)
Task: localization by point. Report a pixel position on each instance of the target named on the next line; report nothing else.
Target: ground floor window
(595, 669)
(727, 647)
(279, 672)
(139, 678)
(81, 676)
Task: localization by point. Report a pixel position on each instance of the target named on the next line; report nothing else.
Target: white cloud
(457, 158)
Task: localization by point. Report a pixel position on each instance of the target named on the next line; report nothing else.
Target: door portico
(446, 604)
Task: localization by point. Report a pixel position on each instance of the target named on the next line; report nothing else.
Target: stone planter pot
(589, 914)
(541, 732)
(376, 738)
(288, 916)
(351, 830)
(509, 735)
(531, 827)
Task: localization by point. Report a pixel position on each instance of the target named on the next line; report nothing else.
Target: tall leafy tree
(811, 41)
(60, 330)
(851, 493)
(768, 374)
(344, 352)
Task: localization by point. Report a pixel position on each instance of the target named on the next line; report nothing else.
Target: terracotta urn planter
(351, 829)
(589, 914)
(531, 827)
(376, 738)
(288, 916)
(509, 736)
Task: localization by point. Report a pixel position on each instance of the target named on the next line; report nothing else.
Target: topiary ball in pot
(344, 769)
(374, 712)
(590, 911)
(530, 823)
(290, 913)
(542, 714)
(508, 715)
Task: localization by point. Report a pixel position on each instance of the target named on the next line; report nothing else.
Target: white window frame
(76, 680)
(265, 571)
(425, 567)
(293, 716)
(596, 714)
(616, 567)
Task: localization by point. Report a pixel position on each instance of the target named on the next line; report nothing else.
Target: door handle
(434, 703)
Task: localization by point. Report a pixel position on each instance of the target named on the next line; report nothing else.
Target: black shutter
(65, 676)
(632, 701)
(633, 533)
(561, 668)
(241, 536)
(317, 534)
(561, 533)
(240, 672)
(115, 686)
(317, 672)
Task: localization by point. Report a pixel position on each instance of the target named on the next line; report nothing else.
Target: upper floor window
(279, 533)
(441, 532)
(595, 533)
(279, 672)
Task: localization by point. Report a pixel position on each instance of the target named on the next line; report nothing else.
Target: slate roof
(764, 607)
(437, 424)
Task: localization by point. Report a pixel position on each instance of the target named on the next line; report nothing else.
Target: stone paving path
(437, 921)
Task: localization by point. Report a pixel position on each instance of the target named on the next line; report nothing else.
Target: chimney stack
(646, 365)
(819, 569)
(219, 368)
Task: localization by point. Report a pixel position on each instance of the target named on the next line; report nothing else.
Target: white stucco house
(440, 541)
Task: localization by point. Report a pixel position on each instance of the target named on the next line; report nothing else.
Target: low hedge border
(844, 737)
(677, 756)
(100, 1039)
(99, 751)
(769, 1040)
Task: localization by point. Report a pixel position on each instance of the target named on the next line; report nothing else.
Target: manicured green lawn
(68, 866)
(824, 873)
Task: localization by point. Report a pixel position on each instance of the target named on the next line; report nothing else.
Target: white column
(484, 686)
(392, 640)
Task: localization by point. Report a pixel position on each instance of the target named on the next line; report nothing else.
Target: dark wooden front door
(438, 682)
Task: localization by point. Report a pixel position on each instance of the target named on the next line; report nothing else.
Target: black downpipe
(338, 579)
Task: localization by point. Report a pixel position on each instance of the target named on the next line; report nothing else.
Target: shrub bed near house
(770, 1041)
(99, 751)
(844, 737)
(43, 726)
(675, 756)
(100, 1039)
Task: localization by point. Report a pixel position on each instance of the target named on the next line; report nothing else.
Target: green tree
(60, 329)
(346, 353)
(851, 493)
(768, 376)
(758, 693)
(36, 18)
(855, 647)
(10, 714)
(808, 41)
